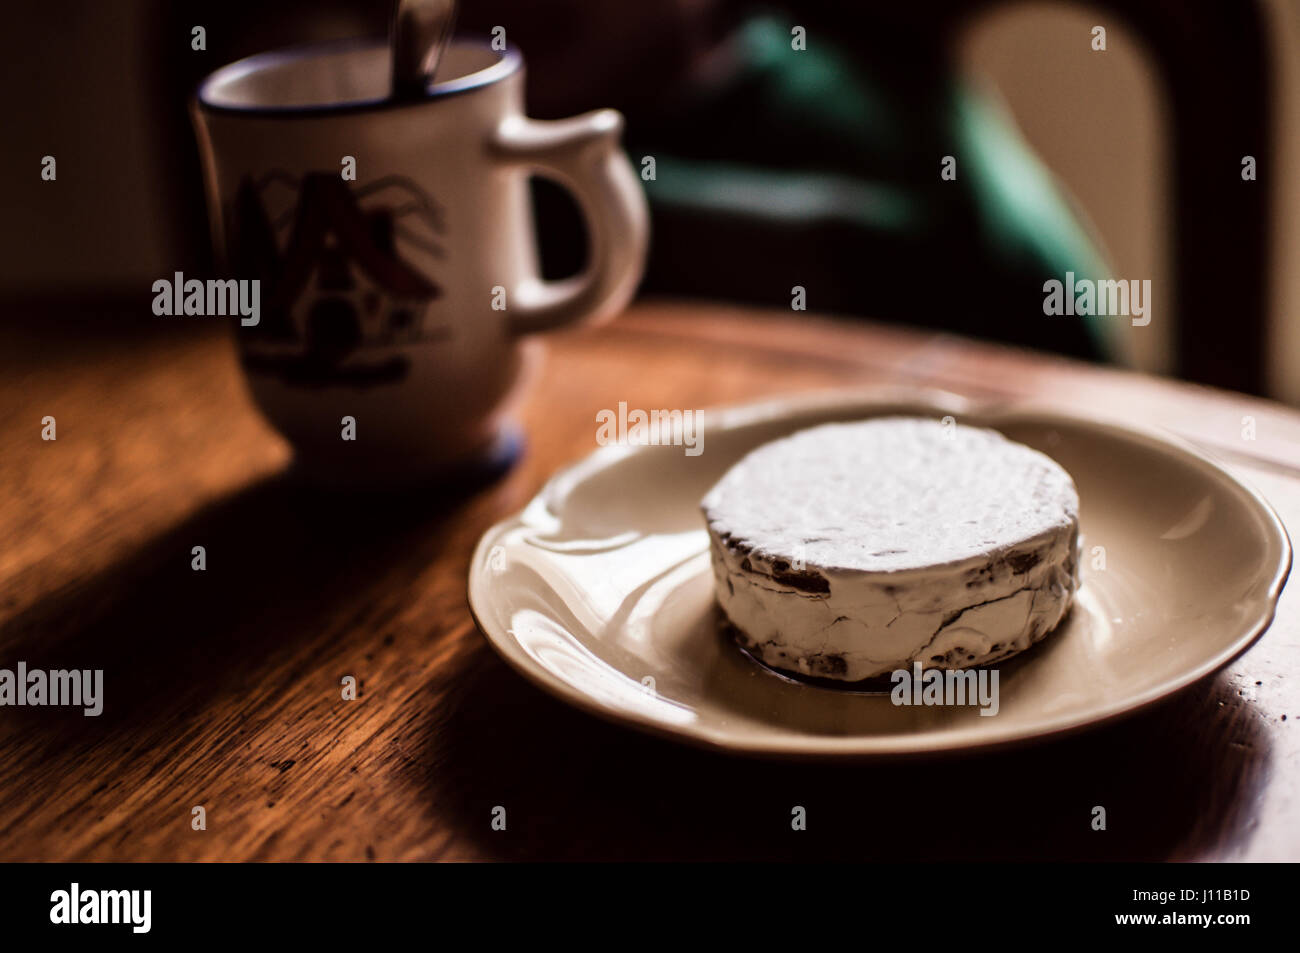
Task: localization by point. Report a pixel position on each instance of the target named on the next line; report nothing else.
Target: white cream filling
(870, 624)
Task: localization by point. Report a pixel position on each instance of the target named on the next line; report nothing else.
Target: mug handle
(583, 154)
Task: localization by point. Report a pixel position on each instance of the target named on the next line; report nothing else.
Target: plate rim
(860, 747)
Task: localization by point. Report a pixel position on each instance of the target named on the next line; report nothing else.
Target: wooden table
(223, 689)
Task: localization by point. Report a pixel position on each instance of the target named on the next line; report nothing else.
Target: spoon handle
(420, 31)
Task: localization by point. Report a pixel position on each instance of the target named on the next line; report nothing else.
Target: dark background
(854, 128)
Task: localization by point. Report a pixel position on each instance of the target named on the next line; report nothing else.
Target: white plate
(600, 591)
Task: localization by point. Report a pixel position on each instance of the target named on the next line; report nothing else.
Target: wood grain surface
(223, 687)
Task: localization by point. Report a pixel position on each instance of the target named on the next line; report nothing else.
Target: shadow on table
(1175, 785)
(287, 567)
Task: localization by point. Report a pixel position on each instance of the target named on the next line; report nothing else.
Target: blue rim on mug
(508, 62)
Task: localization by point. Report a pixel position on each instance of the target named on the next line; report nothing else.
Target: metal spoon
(421, 29)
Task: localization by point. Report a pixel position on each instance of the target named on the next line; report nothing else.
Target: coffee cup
(395, 246)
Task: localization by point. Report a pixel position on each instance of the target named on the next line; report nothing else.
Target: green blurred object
(802, 168)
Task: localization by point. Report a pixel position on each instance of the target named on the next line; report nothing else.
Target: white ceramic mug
(397, 299)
